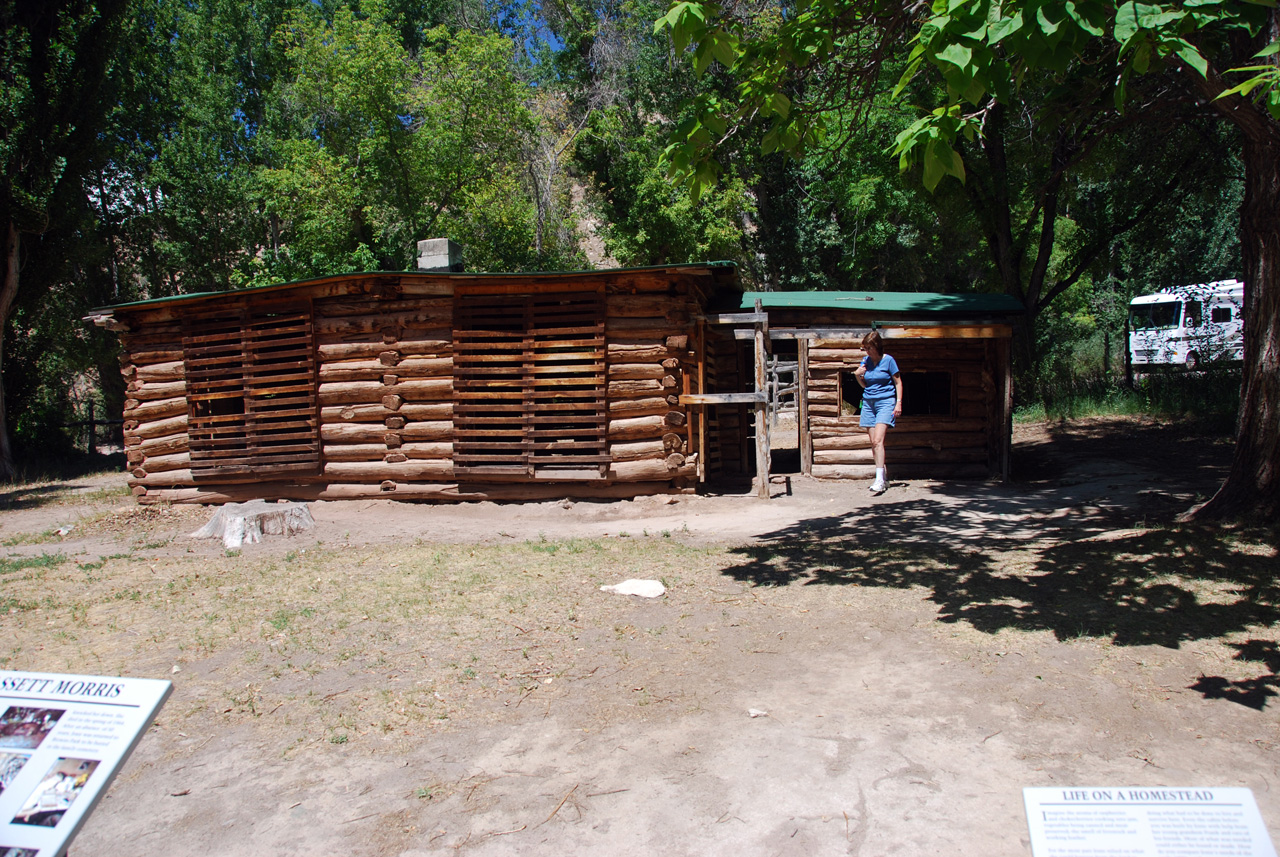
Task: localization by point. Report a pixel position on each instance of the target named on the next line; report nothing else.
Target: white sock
(879, 474)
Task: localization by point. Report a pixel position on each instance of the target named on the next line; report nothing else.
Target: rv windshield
(1157, 316)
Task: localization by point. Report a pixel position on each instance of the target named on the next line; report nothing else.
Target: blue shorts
(876, 411)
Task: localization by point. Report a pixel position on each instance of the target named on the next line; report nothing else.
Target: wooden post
(744, 411)
(802, 408)
(686, 387)
(762, 408)
(1128, 356)
(1004, 358)
(702, 409)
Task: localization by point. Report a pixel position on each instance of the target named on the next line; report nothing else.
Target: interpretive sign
(1145, 822)
(62, 739)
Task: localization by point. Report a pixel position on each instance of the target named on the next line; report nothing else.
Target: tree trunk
(1252, 490)
(8, 292)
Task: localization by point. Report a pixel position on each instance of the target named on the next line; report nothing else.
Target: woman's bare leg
(877, 433)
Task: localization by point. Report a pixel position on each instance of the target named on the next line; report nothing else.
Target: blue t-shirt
(879, 378)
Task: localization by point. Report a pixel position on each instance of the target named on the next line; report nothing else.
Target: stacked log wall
(649, 356)
(384, 369)
(385, 376)
(919, 446)
(156, 445)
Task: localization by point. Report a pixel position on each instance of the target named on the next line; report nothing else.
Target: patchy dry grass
(45, 493)
(342, 642)
(351, 644)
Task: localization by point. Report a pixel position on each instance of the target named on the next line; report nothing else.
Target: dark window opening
(223, 407)
(787, 349)
(1220, 314)
(1194, 315)
(928, 394)
(1156, 316)
(850, 395)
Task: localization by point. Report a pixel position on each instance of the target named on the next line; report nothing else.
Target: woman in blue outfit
(881, 400)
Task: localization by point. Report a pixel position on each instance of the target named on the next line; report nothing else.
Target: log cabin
(430, 385)
(954, 353)
(446, 386)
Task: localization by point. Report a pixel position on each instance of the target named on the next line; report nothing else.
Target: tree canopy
(222, 143)
(53, 59)
(1086, 70)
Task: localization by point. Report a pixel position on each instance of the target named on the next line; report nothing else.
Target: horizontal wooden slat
(529, 383)
(258, 364)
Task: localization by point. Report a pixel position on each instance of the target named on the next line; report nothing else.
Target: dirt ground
(828, 673)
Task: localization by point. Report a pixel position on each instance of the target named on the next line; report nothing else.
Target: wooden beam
(392, 490)
(722, 398)
(757, 317)
(853, 334)
(956, 331)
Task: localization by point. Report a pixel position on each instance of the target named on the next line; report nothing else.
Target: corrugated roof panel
(462, 276)
(886, 302)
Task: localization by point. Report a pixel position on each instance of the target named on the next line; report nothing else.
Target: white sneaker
(878, 487)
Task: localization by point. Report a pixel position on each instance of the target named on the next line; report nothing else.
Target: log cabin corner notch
(431, 386)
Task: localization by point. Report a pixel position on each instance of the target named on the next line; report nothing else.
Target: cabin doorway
(783, 379)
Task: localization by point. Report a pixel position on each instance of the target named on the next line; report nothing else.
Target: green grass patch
(13, 564)
(30, 539)
(101, 561)
(1210, 397)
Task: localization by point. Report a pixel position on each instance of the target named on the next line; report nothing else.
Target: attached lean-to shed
(433, 386)
(954, 353)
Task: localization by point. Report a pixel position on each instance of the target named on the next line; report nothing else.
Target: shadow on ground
(1198, 455)
(33, 497)
(1250, 692)
(1084, 547)
(49, 480)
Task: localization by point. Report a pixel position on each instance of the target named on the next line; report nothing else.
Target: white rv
(1187, 325)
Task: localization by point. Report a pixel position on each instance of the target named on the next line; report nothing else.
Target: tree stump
(238, 523)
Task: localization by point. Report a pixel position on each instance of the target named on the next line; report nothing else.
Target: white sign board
(1145, 822)
(62, 739)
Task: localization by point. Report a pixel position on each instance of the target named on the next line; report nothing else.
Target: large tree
(53, 56)
(1090, 59)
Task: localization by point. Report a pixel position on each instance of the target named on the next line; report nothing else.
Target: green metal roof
(895, 302)
(462, 275)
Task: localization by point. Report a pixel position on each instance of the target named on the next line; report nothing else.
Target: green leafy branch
(1264, 85)
(983, 51)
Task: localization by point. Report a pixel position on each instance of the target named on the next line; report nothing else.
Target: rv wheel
(1193, 361)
